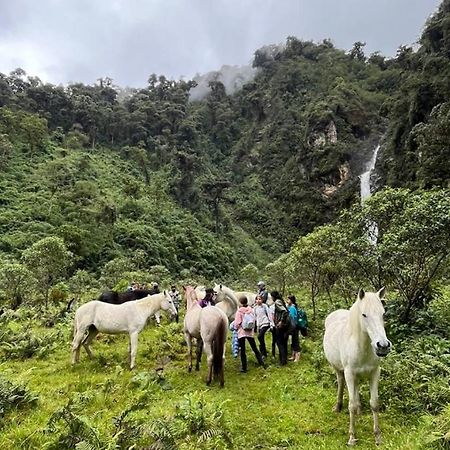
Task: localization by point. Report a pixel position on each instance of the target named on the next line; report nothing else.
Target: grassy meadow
(101, 404)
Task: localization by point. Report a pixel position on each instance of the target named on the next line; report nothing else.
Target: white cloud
(81, 40)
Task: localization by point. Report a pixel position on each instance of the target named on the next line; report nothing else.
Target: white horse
(131, 317)
(209, 326)
(354, 341)
(226, 300)
(251, 296)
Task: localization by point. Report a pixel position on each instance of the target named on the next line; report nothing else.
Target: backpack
(248, 321)
(302, 322)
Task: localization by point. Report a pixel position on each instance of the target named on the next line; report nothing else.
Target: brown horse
(209, 326)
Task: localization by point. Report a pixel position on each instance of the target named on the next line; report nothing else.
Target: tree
(16, 281)
(248, 275)
(413, 243)
(357, 52)
(48, 260)
(314, 260)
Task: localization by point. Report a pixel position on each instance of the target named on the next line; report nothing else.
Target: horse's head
(190, 295)
(220, 294)
(371, 312)
(167, 304)
(200, 292)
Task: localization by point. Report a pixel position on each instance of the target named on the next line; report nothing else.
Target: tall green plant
(48, 260)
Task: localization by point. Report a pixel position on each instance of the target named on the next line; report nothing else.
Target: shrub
(26, 343)
(196, 424)
(417, 378)
(71, 429)
(14, 396)
(440, 435)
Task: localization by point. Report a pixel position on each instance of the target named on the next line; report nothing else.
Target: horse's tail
(218, 346)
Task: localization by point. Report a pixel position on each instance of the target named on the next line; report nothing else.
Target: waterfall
(365, 193)
(365, 177)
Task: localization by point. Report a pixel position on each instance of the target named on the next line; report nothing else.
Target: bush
(71, 429)
(14, 396)
(196, 424)
(441, 426)
(417, 378)
(26, 343)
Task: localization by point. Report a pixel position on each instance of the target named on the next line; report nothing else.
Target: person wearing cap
(209, 298)
(262, 291)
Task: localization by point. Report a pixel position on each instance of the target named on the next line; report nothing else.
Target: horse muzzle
(383, 348)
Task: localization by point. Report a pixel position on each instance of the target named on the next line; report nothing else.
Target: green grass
(278, 408)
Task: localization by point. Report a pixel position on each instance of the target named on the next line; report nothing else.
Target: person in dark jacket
(281, 322)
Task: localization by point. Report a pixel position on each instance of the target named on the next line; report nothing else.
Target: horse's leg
(352, 388)
(133, 348)
(158, 317)
(188, 339)
(76, 345)
(340, 390)
(373, 383)
(90, 337)
(198, 353)
(209, 359)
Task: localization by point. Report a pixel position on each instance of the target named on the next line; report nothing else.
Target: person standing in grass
(244, 323)
(293, 313)
(263, 323)
(282, 325)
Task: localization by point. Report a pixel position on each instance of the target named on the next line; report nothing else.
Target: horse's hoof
(197, 368)
(208, 382)
(378, 439)
(222, 384)
(352, 441)
(337, 408)
(189, 369)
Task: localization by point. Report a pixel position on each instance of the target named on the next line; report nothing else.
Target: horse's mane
(226, 290)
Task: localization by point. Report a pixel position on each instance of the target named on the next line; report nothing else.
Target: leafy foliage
(417, 379)
(196, 423)
(14, 396)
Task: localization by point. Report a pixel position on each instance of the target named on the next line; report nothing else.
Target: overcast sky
(82, 40)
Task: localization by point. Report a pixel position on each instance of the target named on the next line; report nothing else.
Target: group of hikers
(282, 319)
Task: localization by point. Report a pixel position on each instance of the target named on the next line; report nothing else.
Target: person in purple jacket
(209, 298)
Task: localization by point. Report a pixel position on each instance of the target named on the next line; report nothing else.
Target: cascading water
(366, 192)
(365, 177)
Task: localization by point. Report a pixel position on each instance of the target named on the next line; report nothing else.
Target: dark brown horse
(117, 298)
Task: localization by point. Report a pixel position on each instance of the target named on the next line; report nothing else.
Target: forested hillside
(102, 185)
(209, 186)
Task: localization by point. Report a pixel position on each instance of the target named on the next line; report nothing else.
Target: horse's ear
(164, 292)
(361, 294)
(382, 292)
(220, 287)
